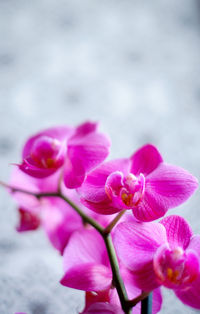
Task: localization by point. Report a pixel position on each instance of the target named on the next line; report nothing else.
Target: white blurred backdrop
(134, 66)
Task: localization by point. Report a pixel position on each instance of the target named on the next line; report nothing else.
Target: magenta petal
(28, 220)
(88, 150)
(149, 208)
(92, 191)
(88, 277)
(86, 262)
(171, 185)
(93, 188)
(85, 246)
(45, 152)
(178, 231)
(166, 187)
(145, 160)
(94, 297)
(190, 295)
(61, 133)
(35, 171)
(137, 242)
(85, 128)
(145, 278)
(74, 173)
(104, 208)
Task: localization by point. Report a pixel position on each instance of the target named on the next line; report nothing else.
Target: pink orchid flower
(87, 267)
(165, 253)
(77, 150)
(143, 183)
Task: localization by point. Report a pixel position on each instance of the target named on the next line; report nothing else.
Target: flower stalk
(111, 225)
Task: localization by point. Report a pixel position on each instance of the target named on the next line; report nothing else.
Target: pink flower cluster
(70, 162)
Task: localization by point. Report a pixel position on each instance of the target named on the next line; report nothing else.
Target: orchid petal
(178, 231)
(138, 239)
(171, 185)
(93, 189)
(145, 278)
(145, 160)
(45, 152)
(82, 248)
(88, 277)
(88, 150)
(74, 173)
(61, 133)
(149, 208)
(104, 208)
(191, 294)
(28, 220)
(85, 128)
(34, 171)
(86, 262)
(94, 297)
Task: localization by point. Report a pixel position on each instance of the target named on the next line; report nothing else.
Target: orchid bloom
(75, 150)
(165, 253)
(143, 183)
(87, 267)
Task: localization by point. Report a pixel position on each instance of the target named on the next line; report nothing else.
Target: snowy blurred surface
(132, 65)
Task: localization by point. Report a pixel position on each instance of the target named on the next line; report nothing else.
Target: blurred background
(134, 66)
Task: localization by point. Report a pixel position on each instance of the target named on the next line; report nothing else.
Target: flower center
(125, 191)
(175, 267)
(47, 152)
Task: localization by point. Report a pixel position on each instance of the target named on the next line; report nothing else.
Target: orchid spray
(100, 216)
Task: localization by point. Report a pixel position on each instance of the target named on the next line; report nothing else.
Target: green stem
(141, 297)
(117, 280)
(109, 228)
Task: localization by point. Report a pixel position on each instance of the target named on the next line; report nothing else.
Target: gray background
(132, 65)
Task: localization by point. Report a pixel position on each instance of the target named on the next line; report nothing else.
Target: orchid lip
(125, 191)
(175, 268)
(47, 152)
